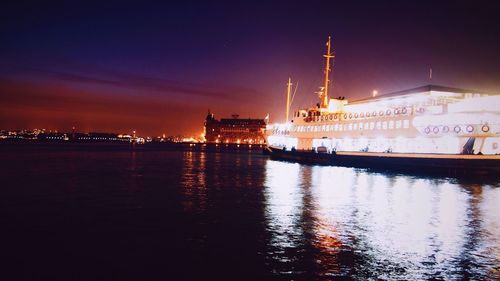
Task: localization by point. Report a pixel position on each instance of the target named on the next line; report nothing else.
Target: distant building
(234, 130)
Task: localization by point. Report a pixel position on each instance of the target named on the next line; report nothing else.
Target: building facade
(234, 130)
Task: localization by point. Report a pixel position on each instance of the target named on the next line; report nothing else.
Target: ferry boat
(426, 128)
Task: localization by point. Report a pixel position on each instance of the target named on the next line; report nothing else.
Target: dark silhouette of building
(234, 130)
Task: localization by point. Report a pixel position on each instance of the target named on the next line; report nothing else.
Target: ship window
(355, 126)
(361, 126)
(372, 125)
(349, 127)
(406, 124)
(398, 124)
(384, 125)
(336, 127)
(378, 125)
(391, 124)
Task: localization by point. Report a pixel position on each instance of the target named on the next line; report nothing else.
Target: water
(191, 215)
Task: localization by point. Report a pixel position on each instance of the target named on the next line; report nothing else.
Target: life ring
(427, 130)
(485, 128)
(388, 112)
(446, 129)
(457, 129)
(435, 130)
(404, 110)
(470, 128)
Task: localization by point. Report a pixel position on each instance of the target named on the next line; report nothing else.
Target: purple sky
(157, 68)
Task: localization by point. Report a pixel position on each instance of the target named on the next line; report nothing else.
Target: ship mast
(288, 88)
(328, 56)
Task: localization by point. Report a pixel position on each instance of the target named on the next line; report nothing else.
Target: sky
(158, 67)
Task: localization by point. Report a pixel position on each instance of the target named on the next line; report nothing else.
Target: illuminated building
(234, 130)
(430, 121)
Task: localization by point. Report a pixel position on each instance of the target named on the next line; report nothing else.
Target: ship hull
(418, 163)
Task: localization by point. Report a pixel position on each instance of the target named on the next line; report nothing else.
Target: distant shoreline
(39, 145)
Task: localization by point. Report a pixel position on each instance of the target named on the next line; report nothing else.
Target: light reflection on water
(366, 224)
(206, 215)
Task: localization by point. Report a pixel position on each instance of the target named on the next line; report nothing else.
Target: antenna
(328, 56)
(288, 88)
(294, 92)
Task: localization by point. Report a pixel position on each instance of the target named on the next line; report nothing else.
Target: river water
(189, 215)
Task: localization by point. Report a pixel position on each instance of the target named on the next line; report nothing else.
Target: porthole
(485, 128)
(427, 130)
(470, 128)
(457, 129)
(435, 130)
(446, 129)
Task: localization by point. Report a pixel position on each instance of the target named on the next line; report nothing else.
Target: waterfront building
(234, 130)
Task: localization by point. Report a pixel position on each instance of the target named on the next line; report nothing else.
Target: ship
(428, 128)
